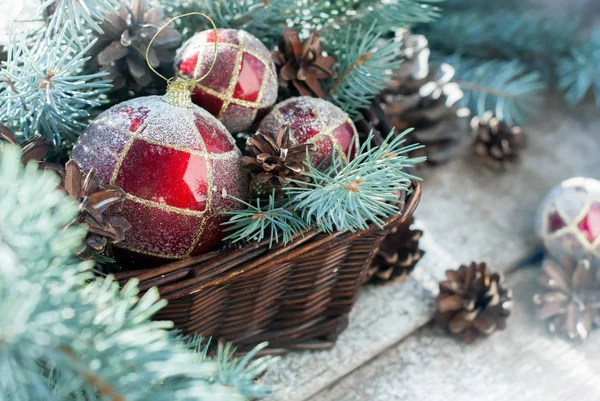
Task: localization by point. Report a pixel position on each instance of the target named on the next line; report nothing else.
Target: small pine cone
(121, 49)
(275, 161)
(495, 142)
(571, 303)
(397, 255)
(472, 302)
(303, 63)
(99, 209)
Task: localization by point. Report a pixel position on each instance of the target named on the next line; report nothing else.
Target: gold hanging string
(169, 80)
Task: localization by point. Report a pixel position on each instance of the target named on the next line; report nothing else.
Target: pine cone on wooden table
(121, 49)
(397, 255)
(571, 302)
(274, 161)
(495, 142)
(303, 63)
(473, 302)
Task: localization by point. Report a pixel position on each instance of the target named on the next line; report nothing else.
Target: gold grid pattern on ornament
(571, 225)
(227, 97)
(133, 136)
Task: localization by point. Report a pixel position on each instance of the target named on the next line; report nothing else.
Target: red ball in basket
(317, 121)
(177, 165)
(243, 83)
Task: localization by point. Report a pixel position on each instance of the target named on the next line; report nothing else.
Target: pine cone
(495, 142)
(397, 255)
(473, 302)
(99, 209)
(34, 148)
(303, 63)
(275, 161)
(571, 303)
(424, 97)
(121, 49)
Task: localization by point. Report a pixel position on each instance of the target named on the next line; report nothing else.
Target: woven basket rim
(220, 266)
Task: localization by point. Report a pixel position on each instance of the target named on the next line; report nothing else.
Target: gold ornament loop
(169, 81)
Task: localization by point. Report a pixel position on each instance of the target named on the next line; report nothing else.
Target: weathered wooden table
(392, 352)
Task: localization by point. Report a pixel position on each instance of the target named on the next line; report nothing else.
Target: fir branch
(579, 72)
(43, 90)
(347, 197)
(503, 35)
(385, 16)
(264, 19)
(366, 65)
(65, 335)
(77, 15)
(255, 223)
(508, 88)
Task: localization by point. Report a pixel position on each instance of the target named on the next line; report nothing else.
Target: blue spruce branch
(43, 90)
(366, 64)
(347, 197)
(66, 335)
(274, 220)
(579, 72)
(509, 88)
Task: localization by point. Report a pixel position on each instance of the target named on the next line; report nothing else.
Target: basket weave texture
(296, 296)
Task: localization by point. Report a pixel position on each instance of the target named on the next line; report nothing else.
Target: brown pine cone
(423, 97)
(34, 148)
(99, 209)
(472, 302)
(303, 63)
(571, 303)
(495, 142)
(397, 255)
(275, 161)
(121, 49)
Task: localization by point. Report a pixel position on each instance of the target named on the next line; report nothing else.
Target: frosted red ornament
(317, 121)
(243, 82)
(176, 164)
(568, 220)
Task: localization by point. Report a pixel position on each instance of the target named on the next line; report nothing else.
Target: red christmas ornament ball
(568, 220)
(317, 121)
(243, 82)
(176, 164)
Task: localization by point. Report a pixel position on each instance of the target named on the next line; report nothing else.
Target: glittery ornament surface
(177, 166)
(242, 83)
(317, 121)
(569, 220)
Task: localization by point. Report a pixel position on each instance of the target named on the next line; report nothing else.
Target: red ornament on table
(317, 121)
(176, 164)
(568, 220)
(243, 83)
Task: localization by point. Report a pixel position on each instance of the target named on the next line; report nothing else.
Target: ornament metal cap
(178, 93)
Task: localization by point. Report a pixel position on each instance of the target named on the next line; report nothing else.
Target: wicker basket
(296, 296)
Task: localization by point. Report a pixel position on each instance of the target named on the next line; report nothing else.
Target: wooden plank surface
(382, 317)
(522, 363)
(469, 213)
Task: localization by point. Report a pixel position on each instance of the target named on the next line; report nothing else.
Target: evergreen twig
(366, 66)
(347, 197)
(579, 72)
(65, 335)
(508, 88)
(255, 223)
(44, 90)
